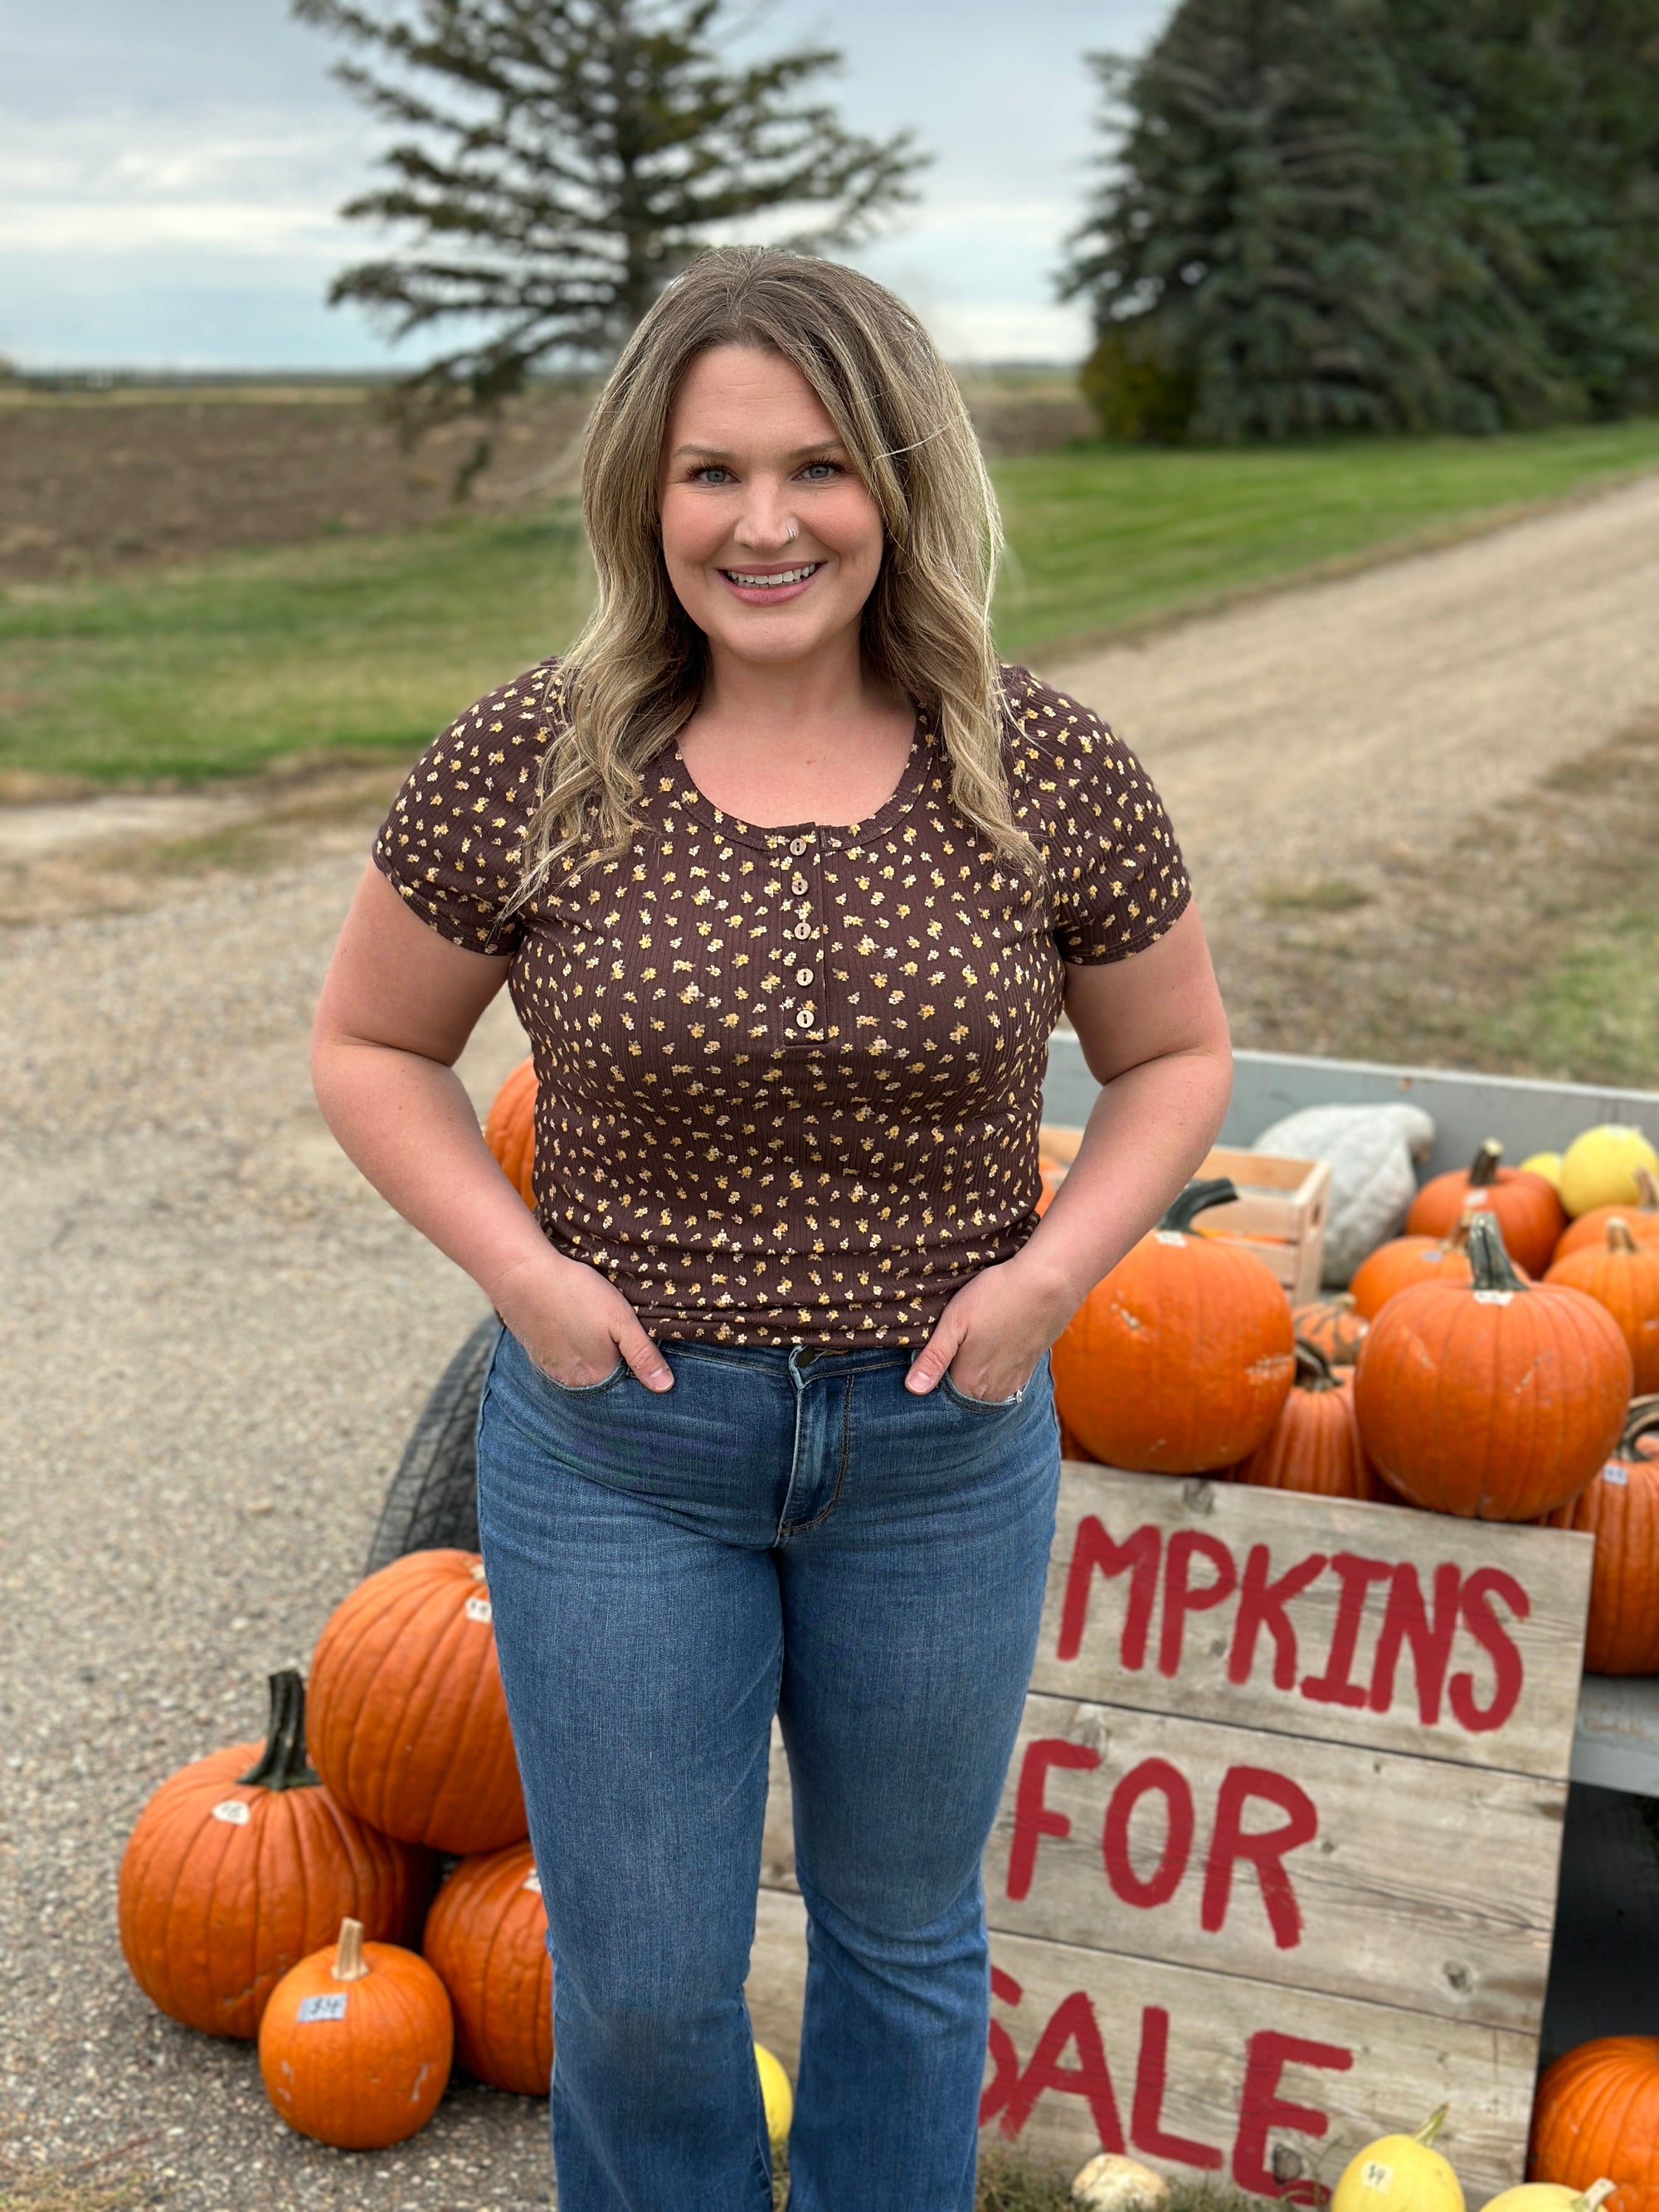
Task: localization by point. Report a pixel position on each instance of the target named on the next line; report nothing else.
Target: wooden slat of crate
(1280, 1214)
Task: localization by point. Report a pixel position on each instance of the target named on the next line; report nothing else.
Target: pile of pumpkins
(290, 1891)
(1499, 1360)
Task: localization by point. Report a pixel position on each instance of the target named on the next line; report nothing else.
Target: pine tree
(561, 161)
(1293, 237)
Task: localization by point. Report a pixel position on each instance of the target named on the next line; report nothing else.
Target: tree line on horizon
(1310, 215)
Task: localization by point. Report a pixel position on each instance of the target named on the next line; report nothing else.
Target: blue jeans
(779, 1533)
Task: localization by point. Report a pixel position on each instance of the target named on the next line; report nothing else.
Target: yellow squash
(1400, 2173)
(1550, 2196)
(779, 2096)
(1547, 1164)
(1599, 1168)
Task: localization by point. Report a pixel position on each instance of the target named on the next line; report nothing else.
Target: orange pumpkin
(408, 1719)
(1179, 1362)
(1496, 1399)
(1404, 1261)
(1623, 1276)
(1597, 2113)
(1315, 1443)
(1527, 1206)
(486, 1937)
(1069, 1446)
(1333, 1327)
(510, 1130)
(239, 1864)
(356, 2045)
(1620, 1510)
(1641, 1220)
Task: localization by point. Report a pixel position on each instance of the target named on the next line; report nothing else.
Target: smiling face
(771, 541)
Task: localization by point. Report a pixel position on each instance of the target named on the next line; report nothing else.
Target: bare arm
(398, 1006)
(1154, 1035)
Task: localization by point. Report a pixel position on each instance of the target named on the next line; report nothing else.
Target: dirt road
(213, 1339)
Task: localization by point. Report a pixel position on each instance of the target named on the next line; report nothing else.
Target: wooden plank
(1204, 2071)
(1410, 1881)
(1171, 1580)
(777, 1975)
(1616, 1743)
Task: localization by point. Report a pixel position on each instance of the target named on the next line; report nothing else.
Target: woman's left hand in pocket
(991, 1336)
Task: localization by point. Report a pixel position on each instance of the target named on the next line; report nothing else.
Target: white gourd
(1112, 2183)
(1370, 1150)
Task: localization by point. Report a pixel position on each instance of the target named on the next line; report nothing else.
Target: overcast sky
(169, 171)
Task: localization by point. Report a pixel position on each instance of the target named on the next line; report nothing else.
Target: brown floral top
(789, 1080)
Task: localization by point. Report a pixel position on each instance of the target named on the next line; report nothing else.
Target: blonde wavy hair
(632, 676)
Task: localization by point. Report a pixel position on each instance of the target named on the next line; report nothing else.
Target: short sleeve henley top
(789, 1080)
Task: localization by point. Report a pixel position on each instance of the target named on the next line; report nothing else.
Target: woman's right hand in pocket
(576, 1325)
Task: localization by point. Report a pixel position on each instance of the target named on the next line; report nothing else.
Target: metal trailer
(1604, 1973)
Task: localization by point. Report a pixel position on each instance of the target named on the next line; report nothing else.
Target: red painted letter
(1074, 2021)
(1261, 1605)
(1181, 1597)
(1159, 1886)
(1266, 1850)
(1335, 1686)
(1509, 1673)
(1261, 2107)
(1032, 1818)
(1151, 2074)
(1095, 1549)
(1000, 2045)
(1406, 1621)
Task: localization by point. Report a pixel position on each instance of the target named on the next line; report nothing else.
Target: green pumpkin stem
(1492, 1267)
(281, 1763)
(1483, 1169)
(1214, 1190)
(1432, 2127)
(1313, 1369)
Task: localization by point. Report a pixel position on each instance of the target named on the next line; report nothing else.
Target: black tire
(433, 1501)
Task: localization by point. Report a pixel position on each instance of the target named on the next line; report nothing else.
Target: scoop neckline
(780, 836)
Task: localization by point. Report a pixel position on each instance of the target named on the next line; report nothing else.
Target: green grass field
(370, 644)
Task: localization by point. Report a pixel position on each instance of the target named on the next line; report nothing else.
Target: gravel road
(214, 1339)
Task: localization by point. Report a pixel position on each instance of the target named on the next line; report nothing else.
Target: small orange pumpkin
(1620, 1510)
(241, 1863)
(1333, 1327)
(1179, 1362)
(1528, 1206)
(1404, 1261)
(408, 1718)
(356, 2045)
(486, 1937)
(1597, 2113)
(510, 1130)
(1314, 1445)
(1496, 1399)
(1623, 1276)
(1641, 1220)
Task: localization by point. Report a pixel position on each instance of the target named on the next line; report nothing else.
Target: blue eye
(829, 468)
(713, 468)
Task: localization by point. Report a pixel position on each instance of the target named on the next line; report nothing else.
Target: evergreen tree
(561, 161)
(1375, 213)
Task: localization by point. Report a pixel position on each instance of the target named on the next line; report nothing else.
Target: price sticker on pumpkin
(330, 2007)
(1617, 1475)
(1167, 1237)
(232, 1811)
(1493, 1298)
(532, 1881)
(477, 1609)
(1375, 2175)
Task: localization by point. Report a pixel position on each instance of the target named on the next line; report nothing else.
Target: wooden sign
(1274, 1870)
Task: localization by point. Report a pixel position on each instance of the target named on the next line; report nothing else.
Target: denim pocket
(981, 1405)
(581, 1389)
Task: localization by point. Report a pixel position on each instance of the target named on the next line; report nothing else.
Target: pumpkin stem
(1642, 1420)
(1647, 1188)
(1483, 1169)
(281, 1763)
(1488, 1259)
(1619, 1237)
(1432, 2127)
(1214, 1190)
(1313, 1369)
(1594, 2197)
(349, 1964)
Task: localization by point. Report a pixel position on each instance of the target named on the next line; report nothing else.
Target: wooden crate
(1279, 1213)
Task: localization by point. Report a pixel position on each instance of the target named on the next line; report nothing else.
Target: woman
(790, 882)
